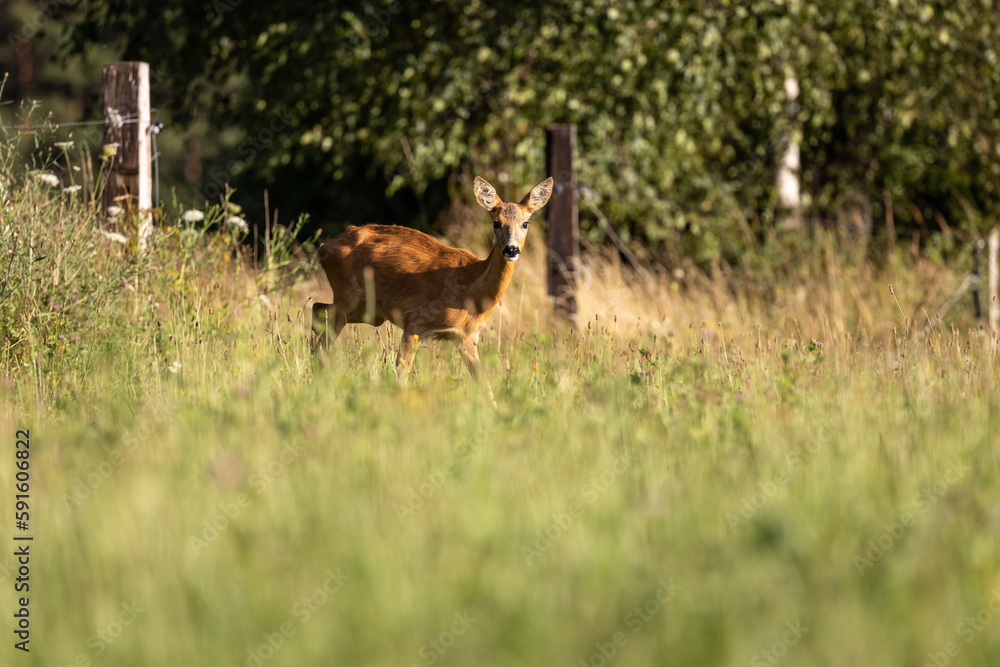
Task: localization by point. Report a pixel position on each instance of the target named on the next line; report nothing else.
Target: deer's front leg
(470, 352)
(326, 328)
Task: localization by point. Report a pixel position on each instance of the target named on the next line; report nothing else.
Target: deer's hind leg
(329, 319)
(407, 350)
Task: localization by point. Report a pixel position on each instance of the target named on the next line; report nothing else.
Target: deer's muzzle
(511, 253)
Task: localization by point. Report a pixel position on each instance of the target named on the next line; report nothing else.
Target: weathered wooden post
(126, 142)
(563, 217)
(993, 286)
(976, 282)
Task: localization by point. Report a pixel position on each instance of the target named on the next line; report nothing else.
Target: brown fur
(428, 289)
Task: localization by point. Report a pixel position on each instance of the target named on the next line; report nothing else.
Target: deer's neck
(493, 280)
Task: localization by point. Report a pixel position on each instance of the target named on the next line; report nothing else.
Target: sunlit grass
(688, 474)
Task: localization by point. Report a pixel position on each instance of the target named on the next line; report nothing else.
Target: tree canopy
(681, 106)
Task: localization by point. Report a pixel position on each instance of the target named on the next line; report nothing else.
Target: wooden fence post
(977, 285)
(563, 217)
(993, 286)
(126, 111)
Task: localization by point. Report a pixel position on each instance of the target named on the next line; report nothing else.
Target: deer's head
(510, 220)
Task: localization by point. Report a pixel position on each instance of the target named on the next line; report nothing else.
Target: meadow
(697, 471)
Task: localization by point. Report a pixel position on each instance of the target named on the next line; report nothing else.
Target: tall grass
(698, 471)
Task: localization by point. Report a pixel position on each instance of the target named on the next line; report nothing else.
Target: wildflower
(238, 222)
(112, 236)
(48, 179)
(189, 237)
(110, 150)
(193, 215)
(64, 144)
(73, 188)
(174, 367)
(115, 211)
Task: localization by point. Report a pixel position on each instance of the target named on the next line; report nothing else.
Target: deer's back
(409, 269)
(390, 247)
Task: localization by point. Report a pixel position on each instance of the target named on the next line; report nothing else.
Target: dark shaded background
(681, 107)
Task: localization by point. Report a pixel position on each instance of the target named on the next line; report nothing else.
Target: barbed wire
(56, 126)
(118, 121)
(111, 120)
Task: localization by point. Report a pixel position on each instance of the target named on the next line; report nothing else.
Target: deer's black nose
(512, 252)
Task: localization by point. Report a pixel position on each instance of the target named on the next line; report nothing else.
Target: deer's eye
(496, 224)
(524, 225)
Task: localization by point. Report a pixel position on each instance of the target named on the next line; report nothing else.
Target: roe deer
(430, 290)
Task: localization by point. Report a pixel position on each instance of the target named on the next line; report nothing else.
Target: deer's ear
(485, 194)
(538, 197)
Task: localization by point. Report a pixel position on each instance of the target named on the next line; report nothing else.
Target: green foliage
(681, 106)
(286, 260)
(66, 269)
(59, 268)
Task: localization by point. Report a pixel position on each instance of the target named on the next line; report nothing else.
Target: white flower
(115, 211)
(112, 236)
(174, 367)
(47, 178)
(193, 216)
(64, 144)
(238, 222)
(73, 188)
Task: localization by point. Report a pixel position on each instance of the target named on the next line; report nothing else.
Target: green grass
(203, 489)
(755, 487)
